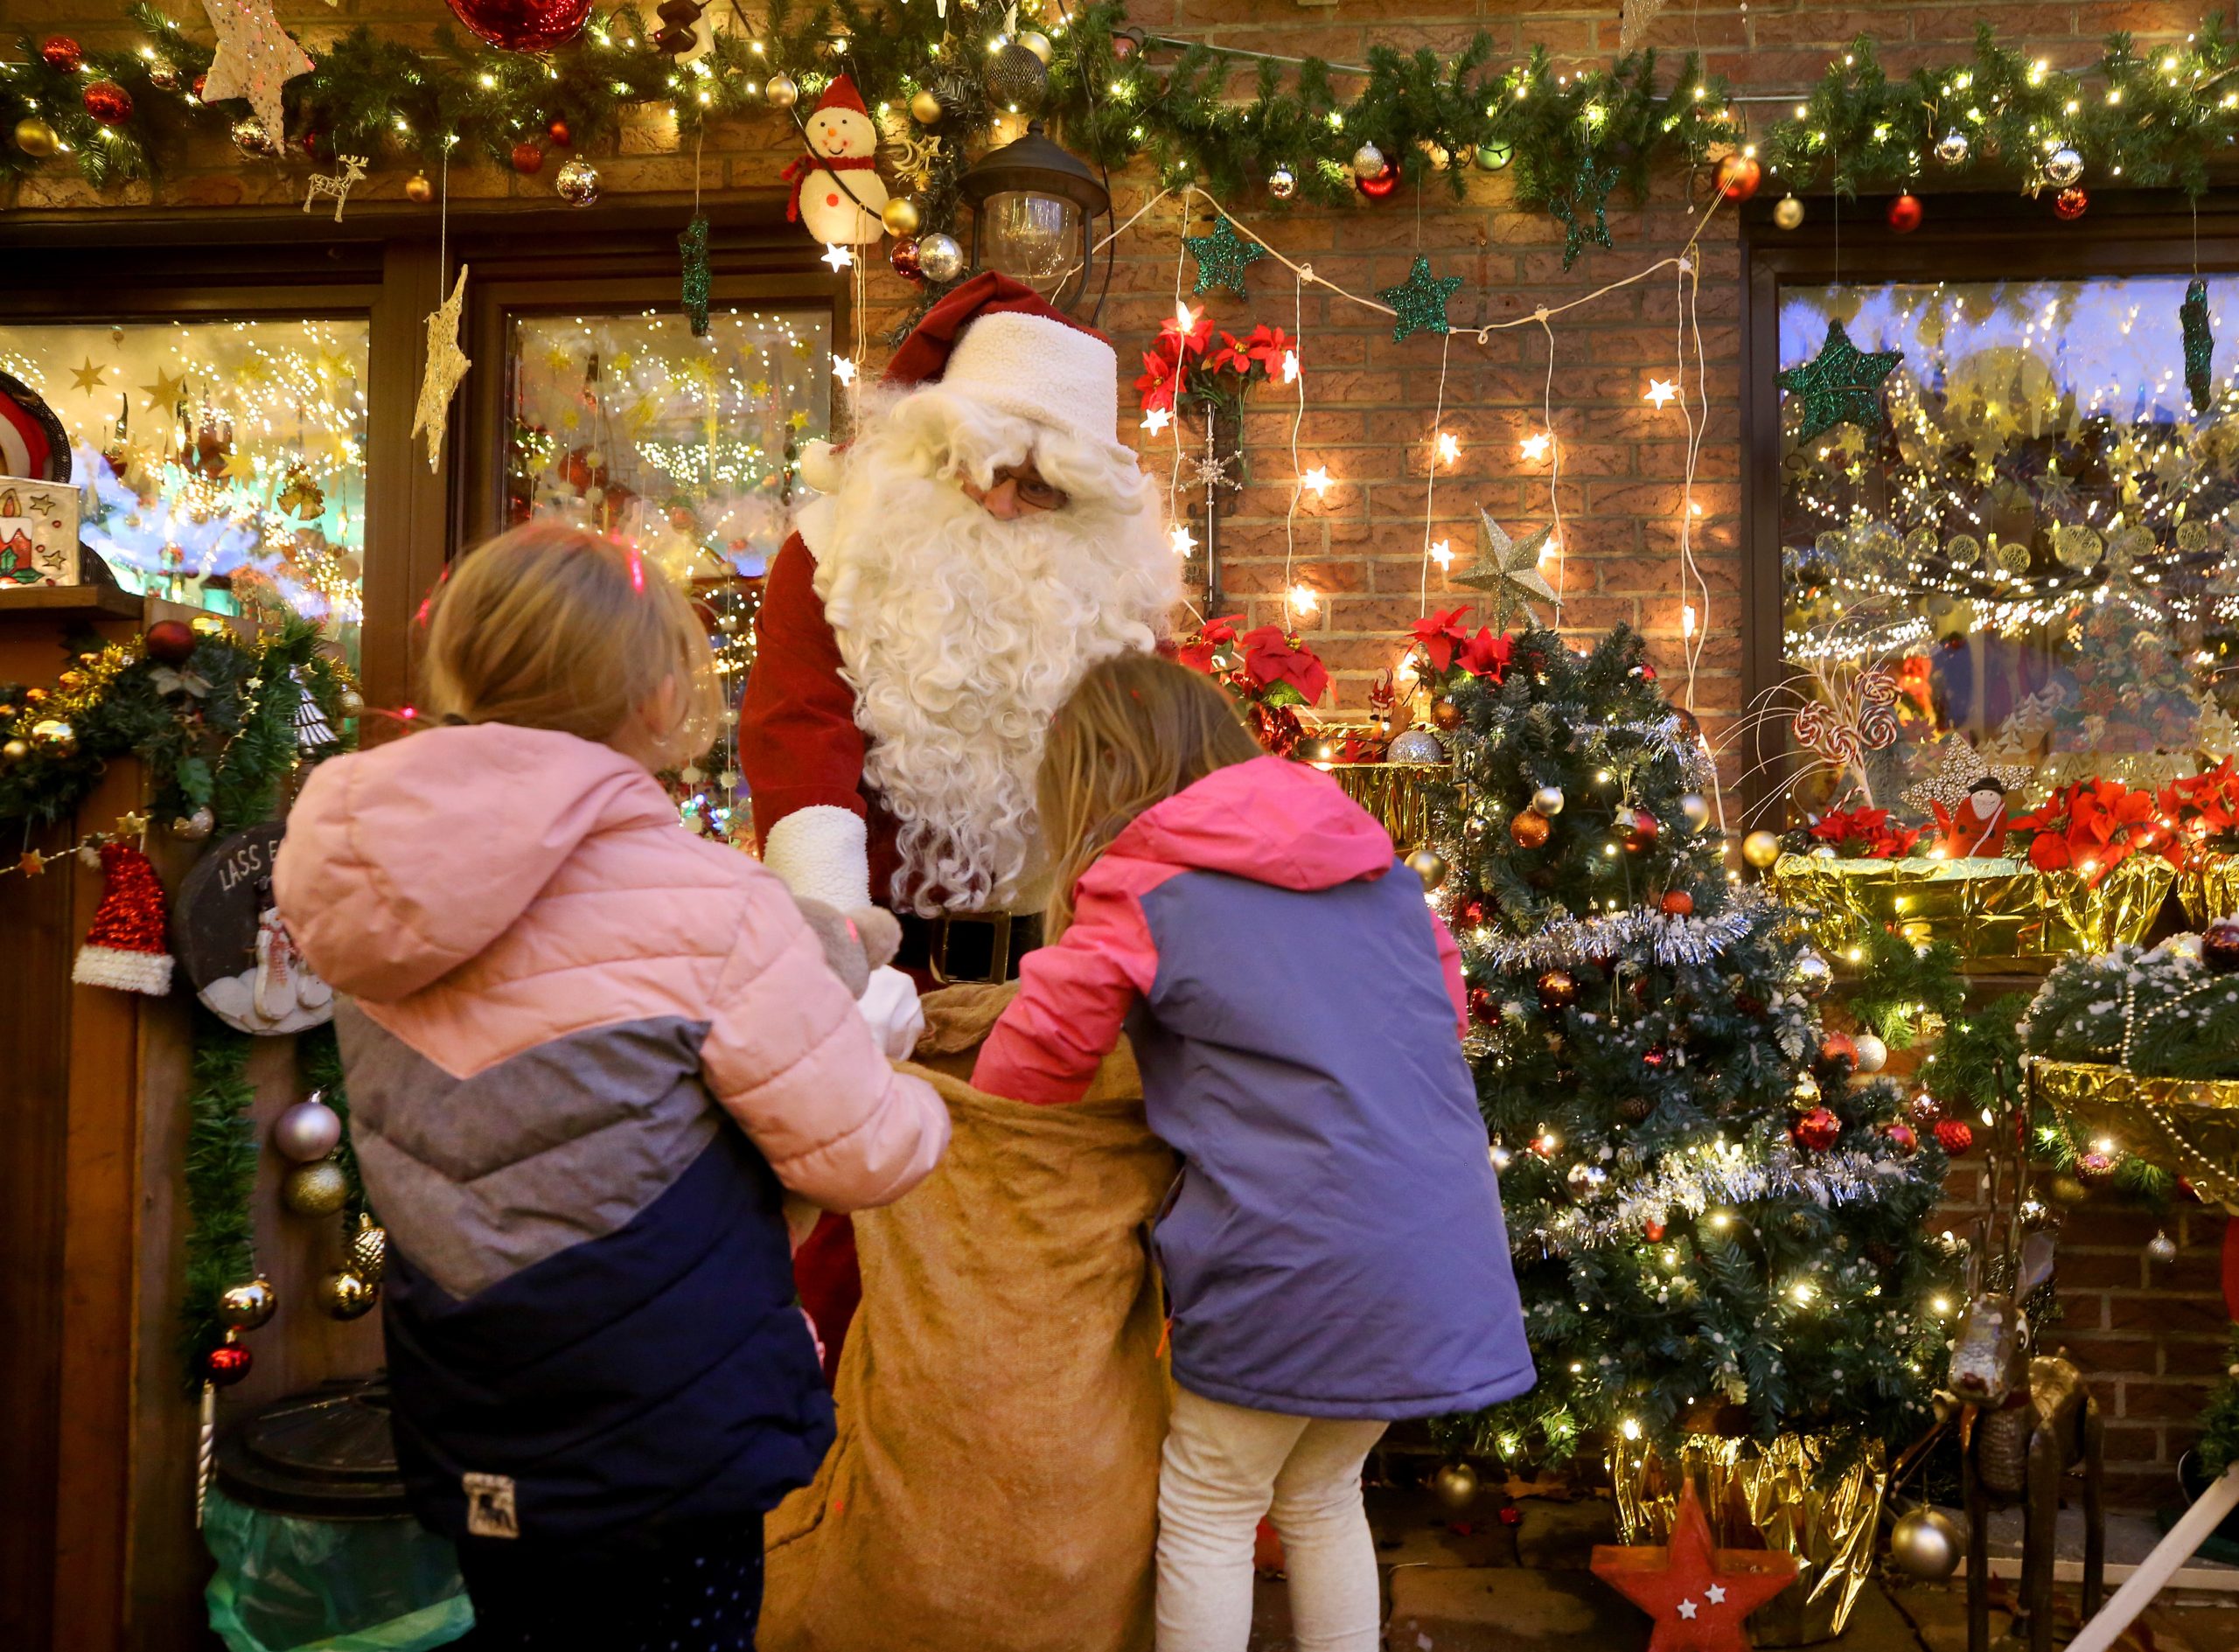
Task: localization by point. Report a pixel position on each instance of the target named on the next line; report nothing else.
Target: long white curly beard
(961, 635)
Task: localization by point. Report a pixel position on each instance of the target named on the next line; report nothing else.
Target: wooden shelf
(72, 599)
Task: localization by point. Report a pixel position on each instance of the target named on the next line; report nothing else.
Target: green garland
(2151, 119)
(222, 1155)
(1899, 982)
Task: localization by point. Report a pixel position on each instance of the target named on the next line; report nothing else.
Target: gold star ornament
(167, 390)
(255, 59)
(1508, 571)
(446, 364)
(86, 377)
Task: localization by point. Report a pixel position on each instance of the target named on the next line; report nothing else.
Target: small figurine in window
(1977, 826)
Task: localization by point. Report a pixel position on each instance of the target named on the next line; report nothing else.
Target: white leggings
(1225, 1468)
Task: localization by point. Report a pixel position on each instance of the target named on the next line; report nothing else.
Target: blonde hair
(1136, 731)
(548, 626)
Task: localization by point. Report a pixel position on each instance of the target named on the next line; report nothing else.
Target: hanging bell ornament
(1428, 864)
(1951, 149)
(1926, 1542)
(315, 1189)
(369, 1251)
(1282, 183)
(577, 183)
(244, 1307)
(1790, 214)
(783, 94)
(36, 138)
(924, 107)
(2064, 167)
(1761, 849)
(900, 215)
(1548, 800)
(2071, 204)
(1873, 1054)
(1368, 160)
(1493, 156)
(939, 257)
(307, 1132)
(1454, 1485)
(345, 1296)
(418, 190)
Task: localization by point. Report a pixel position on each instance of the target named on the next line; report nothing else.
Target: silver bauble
(939, 258)
(1368, 160)
(781, 91)
(1951, 149)
(577, 183)
(1695, 809)
(307, 1132)
(1813, 974)
(2161, 1248)
(1926, 1542)
(1454, 1485)
(1415, 745)
(1548, 800)
(1282, 183)
(2064, 168)
(196, 826)
(1873, 1054)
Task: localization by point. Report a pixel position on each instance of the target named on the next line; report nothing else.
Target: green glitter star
(2199, 346)
(1592, 190)
(1419, 302)
(1222, 257)
(693, 245)
(1841, 384)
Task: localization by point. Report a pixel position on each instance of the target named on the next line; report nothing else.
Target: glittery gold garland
(76, 692)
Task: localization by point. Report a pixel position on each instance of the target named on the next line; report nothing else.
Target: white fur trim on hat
(822, 853)
(126, 971)
(1041, 369)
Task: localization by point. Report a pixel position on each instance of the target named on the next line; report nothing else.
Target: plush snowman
(845, 147)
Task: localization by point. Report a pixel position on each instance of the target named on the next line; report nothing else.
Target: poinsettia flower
(1866, 834)
(2049, 852)
(1486, 655)
(1157, 382)
(1231, 357)
(1438, 636)
(1274, 660)
(1188, 340)
(1197, 653)
(1268, 346)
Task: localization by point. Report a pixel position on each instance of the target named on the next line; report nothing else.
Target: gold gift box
(1781, 1496)
(2189, 1125)
(1397, 794)
(2209, 888)
(2001, 914)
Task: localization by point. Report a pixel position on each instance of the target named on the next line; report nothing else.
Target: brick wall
(2151, 1334)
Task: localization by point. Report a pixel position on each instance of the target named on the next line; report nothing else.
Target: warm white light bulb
(1303, 601)
(1184, 541)
(1535, 445)
(1449, 447)
(1318, 480)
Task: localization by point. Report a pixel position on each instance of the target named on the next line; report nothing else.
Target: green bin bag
(287, 1583)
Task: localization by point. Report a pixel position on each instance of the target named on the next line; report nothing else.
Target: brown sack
(994, 1486)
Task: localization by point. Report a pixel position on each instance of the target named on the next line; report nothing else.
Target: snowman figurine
(845, 147)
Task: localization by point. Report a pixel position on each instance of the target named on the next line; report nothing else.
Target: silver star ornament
(1508, 571)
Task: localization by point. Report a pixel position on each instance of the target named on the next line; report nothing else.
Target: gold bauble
(1790, 214)
(1428, 864)
(781, 91)
(246, 1307)
(1454, 1485)
(54, 737)
(418, 190)
(1761, 849)
(345, 1296)
(315, 1189)
(1038, 42)
(900, 216)
(369, 1251)
(925, 108)
(16, 750)
(36, 138)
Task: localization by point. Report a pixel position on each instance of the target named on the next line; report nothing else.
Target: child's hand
(889, 1004)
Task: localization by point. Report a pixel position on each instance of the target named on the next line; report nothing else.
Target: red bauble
(1739, 176)
(226, 1364)
(1637, 829)
(107, 102)
(1904, 213)
(1838, 1046)
(528, 159)
(1902, 1136)
(2220, 946)
(1653, 1229)
(1484, 1004)
(1678, 903)
(1557, 990)
(903, 257)
(1472, 914)
(61, 53)
(169, 642)
(559, 132)
(1653, 1056)
(524, 25)
(1382, 185)
(1925, 1109)
(1953, 1136)
(2071, 203)
(1818, 1129)
(1530, 828)
(195, 90)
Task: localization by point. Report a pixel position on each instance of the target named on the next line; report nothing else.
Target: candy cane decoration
(1817, 727)
(1877, 709)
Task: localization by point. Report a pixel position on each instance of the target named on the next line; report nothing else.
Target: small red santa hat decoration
(125, 946)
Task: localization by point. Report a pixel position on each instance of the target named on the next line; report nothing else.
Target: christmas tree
(1716, 1227)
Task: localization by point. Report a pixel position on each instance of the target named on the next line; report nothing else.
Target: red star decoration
(1699, 1596)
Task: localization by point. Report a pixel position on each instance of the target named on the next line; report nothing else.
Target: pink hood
(403, 862)
(1269, 820)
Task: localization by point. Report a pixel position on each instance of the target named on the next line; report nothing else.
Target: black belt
(969, 946)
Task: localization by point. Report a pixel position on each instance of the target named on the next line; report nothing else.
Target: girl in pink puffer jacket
(587, 1054)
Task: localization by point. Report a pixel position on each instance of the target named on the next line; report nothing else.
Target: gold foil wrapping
(2190, 1125)
(1397, 794)
(2001, 914)
(2209, 888)
(1781, 1496)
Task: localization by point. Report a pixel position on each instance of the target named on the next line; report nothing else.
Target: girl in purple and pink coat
(1333, 1251)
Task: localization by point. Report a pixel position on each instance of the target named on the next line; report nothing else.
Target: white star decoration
(1508, 570)
(1156, 419)
(1184, 541)
(446, 364)
(1535, 446)
(1318, 479)
(1687, 1609)
(1716, 1594)
(1660, 391)
(255, 59)
(839, 257)
(843, 370)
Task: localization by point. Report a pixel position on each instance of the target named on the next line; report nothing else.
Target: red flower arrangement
(2093, 826)
(2205, 805)
(1271, 673)
(1446, 651)
(1182, 362)
(1864, 834)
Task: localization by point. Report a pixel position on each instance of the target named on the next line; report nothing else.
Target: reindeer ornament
(336, 183)
(2028, 1420)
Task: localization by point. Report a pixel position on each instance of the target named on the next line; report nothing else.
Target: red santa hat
(841, 94)
(125, 948)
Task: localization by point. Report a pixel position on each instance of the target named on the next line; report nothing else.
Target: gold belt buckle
(999, 947)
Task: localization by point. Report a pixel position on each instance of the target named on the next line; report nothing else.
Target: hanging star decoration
(693, 245)
(1841, 384)
(1958, 770)
(1632, 25)
(1508, 571)
(1589, 194)
(87, 378)
(255, 59)
(2200, 345)
(1698, 1596)
(165, 393)
(1222, 257)
(446, 364)
(1419, 302)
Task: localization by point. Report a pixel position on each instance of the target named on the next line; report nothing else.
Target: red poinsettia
(1268, 346)
(1276, 663)
(1440, 636)
(1197, 653)
(1158, 381)
(1486, 655)
(2205, 804)
(1185, 332)
(2092, 826)
(1864, 834)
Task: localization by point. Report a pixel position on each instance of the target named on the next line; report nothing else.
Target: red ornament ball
(61, 53)
(1473, 914)
(1818, 1129)
(169, 642)
(903, 257)
(1902, 1137)
(1376, 187)
(528, 159)
(1926, 1110)
(1530, 828)
(1676, 903)
(2070, 204)
(195, 90)
(1653, 1230)
(1637, 829)
(2220, 946)
(1904, 213)
(560, 136)
(1557, 990)
(524, 25)
(1739, 176)
(1954, 1137)
(226, 1364)
(1654, 1055)
(1838, 1046)
(107, 102)
(1485, 1005)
